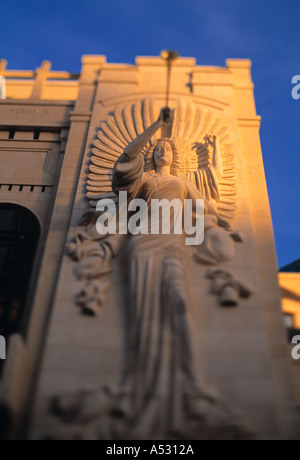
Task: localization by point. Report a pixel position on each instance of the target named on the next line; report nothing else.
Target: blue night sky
(266, 31)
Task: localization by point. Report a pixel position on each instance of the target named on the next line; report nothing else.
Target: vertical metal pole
(167, 94)
(169, 56)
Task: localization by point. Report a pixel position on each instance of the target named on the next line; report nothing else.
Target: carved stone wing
(121, 127)
(192, 123)
(228, 184)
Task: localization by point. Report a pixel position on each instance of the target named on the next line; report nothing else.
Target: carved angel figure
(159, 380)
(159, 393)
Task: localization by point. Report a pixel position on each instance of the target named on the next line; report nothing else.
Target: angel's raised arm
(135, 147)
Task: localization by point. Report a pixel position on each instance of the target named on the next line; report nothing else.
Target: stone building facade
(49, 121)
(289, 282)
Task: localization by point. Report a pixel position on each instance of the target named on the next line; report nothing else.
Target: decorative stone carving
(93, 414)
(227, 288)
(93, 254)
(92, 297)
(206, 167)
(159, 394)
(206, 159)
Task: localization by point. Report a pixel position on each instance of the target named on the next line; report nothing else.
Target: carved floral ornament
(159, 394)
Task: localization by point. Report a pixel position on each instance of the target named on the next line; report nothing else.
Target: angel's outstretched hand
(211, 139)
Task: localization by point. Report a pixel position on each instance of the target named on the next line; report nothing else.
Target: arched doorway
(19, 236)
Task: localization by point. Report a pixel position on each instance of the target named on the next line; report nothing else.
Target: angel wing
(119, 129)
(191, 124)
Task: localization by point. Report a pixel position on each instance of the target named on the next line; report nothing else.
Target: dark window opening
(19, 236)
(291, 333)
(289, 322)
(36, 135)
(12, 133)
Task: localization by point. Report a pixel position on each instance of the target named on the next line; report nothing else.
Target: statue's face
(163, 154)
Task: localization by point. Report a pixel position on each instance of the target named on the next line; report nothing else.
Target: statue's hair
(150, 162)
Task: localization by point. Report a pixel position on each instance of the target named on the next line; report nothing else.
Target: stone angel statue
(159, 394)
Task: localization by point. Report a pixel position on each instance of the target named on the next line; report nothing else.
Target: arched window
(19, 236)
